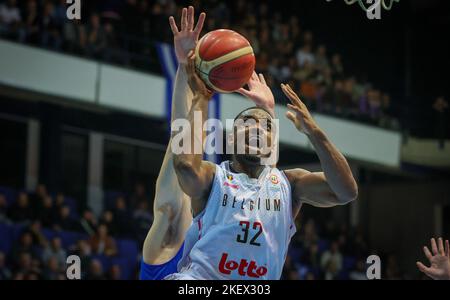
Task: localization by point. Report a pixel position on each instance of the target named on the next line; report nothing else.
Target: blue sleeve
(159, 272)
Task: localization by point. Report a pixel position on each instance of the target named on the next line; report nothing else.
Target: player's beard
(248, 160)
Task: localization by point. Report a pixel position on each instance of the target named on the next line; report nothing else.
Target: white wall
(74, 78)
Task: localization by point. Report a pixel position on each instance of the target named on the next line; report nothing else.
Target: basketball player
(439, 260)
(163, 245)
(244, 210)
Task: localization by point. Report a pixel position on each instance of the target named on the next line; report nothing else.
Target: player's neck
(252, 170)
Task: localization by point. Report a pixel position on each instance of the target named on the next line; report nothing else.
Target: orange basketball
(224, 60)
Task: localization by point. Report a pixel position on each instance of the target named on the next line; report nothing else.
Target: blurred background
(84, 108)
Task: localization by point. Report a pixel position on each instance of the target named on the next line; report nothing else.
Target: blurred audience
(119, 31)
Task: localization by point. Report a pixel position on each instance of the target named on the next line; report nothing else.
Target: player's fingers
(244, 92)
(255, 76)
(434, 247)
(295, 108)
(447, 248)
(262, 79)
(199, 27)
(291, 116)
(173, 25)
(290, 94)
(422, 268)
(296, 97)
(427, 253)
(190, 18)
(441, 247)
(184, 19)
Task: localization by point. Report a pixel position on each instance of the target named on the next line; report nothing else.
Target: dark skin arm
(332, 187)
(195, 175)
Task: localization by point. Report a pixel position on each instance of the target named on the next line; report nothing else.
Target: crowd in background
(318, 251)
(122, 31)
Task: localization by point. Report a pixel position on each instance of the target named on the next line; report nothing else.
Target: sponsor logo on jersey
(243, 268)
(274, 179)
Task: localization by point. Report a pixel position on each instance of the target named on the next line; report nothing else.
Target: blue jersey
(159, 272)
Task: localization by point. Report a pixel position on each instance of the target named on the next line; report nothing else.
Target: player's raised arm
(195, 175)
(172, 209)
(335, 185)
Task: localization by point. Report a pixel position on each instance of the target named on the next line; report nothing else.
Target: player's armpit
(195, 180)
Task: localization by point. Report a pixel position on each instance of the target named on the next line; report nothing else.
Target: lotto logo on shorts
(244, 268)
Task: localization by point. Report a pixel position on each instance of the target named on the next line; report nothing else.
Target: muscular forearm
(168, 191)
(182, 95)
(196, 116)
(335, 167)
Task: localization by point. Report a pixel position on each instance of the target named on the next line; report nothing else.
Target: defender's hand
(299, 113)
(439, 260)
(197, 85)
(186, 39)
(259, 92)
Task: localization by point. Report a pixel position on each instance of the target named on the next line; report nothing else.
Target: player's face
(253, 134)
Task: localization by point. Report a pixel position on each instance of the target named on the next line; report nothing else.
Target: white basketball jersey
(244, 231)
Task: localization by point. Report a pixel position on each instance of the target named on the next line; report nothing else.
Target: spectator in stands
(88, 222)
(31, 23)
(122, 218)
(74, 33)
(290, 270)
(35, 229)
(331, 261)
(55, 251)
(50, 30)
(3, 209)
(60, 201)
(441, 111)
(359, 272)
(305, 55)
(38, 196)
(108, 220)
(5, 273)
(142, 219)
(321, 59)
(64, 221)
(311, 257)
(21, 211)
(53, 268)
(46, 213)
(392, 269)
(10, 19)
(96, 38)
(102, 242)
(24, 264)
(84, 251)
(115, 273)
(139, 195)
(309, 236)
(95, 271)
(337, 68)
(25, 244)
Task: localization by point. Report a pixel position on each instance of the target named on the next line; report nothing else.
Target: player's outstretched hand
(196, 84)
(259, 92)
(298, 112)
(439, 260)
(186, 39)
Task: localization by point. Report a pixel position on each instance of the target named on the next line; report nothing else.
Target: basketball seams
(206, 68)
